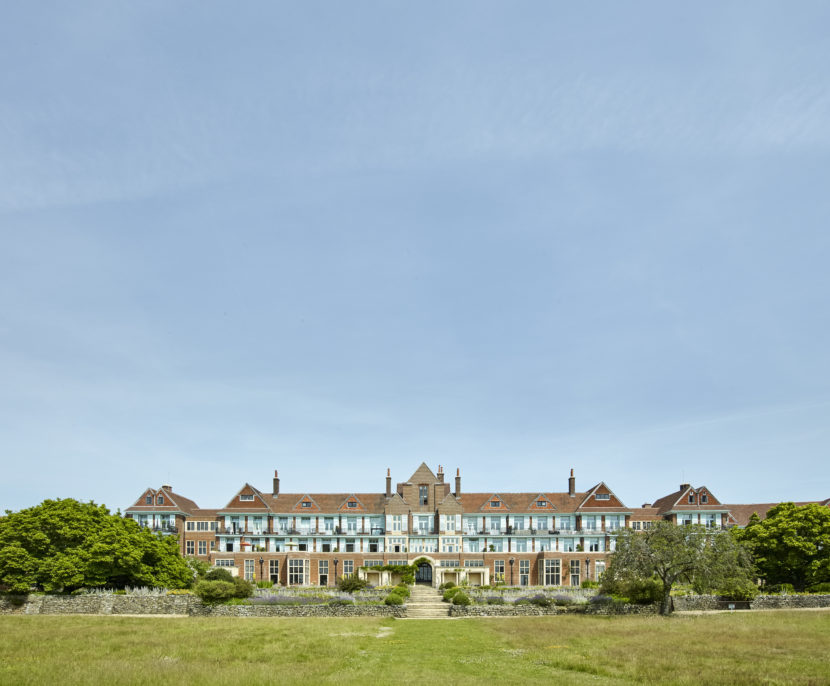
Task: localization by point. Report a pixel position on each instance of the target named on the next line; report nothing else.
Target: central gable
(541, 503)
(306, 504)
(352, 504)
(495, 503)
(423, 475)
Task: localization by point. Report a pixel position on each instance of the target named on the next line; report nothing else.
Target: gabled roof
(450, 504)
(422, 475)
(173, 502)
(258, 504)
(678, 501)
(614, 503)
(312, 507)
(329, 503)
(533, 505)
(520, 502)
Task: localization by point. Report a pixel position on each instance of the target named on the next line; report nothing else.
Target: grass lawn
(740, 648)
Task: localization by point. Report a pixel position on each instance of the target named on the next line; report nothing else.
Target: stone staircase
(425, 603)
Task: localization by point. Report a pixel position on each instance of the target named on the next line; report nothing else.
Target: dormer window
(541, 503)
(305, 503)
(602, 496)
(495, 503)
(351, 503)
(704, 498)
(160, 500)
(691, 498)
(148, 500)
(247, 497)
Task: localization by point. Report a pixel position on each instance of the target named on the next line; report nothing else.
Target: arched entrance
(423, 574)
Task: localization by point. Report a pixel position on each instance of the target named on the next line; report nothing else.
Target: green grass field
(740, 648)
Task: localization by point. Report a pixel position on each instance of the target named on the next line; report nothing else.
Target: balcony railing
(164, 528)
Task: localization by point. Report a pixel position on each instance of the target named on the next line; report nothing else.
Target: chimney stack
(440, 474)
(276, 483)
(388, 483)
(571, 484)
(683, 487)
(457, 482)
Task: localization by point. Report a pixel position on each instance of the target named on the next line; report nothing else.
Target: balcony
(163, 528)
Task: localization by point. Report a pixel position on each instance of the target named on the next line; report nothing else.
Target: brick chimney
(457, 482)
(276, 483)
(572, 484)
(683, 487)
(440, 474)
(388, 483)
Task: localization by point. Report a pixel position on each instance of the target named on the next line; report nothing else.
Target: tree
(64, 545)
(792, 545)
(675, 554)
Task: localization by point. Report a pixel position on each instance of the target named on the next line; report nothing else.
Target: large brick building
(542, 538)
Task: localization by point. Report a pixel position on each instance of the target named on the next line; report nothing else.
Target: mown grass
(740, 648)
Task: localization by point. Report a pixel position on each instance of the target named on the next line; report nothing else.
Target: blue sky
(332, 238)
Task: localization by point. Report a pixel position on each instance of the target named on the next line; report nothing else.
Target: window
(704, 498)
(249, 570)
(473, 563)
(449, 563)
(691, 498)
(635, 526)
(201, 526)
(148, 500)
(498, 570)
(396, 523)
(574, 572)
(602, 496)
(306, 503)
(274, 570)
(450, 545)
(373, 563)
(518, 523)
(223, 563)
(246, 497)
(541, 523)
(593, 545)
(323, 572)
(552, 573)
(202, 547)
(520, 545)
(190, 526)
(351, 503)
(297, 572)
(423, 495)
(495, 503)
(348, 568)
(524, 572)
(589, 522)
(160, 500)
(189, 547)
(541, 503)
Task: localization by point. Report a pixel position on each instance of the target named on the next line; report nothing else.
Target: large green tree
(791, 545)
(65, 544)
(678, 554)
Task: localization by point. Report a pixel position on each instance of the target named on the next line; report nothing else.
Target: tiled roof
(329, 503)
(741, 513)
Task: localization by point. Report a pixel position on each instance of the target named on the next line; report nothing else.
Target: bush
(587, 583)
(819, 588)
(402, 590)
(393, 599)
(180, 591)
(494, 600)
(341, 601)
(242, 588)
(738, 589)
(541, 600)
(446, 585)
(601, 599)
(350, 584)
(219, 574)
(642, 591)
(461, 598)
(214, 591)
(265, 583)
(449, 594)
(781, 588)
(562, 600)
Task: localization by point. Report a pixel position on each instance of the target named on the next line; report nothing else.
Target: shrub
(449, 594)
(402, 590)
(341, 601)
(350, 584)
(219, 574)
(643, 591)
(781, 588)
(393, 599)
(446, 585)
(587, 583)
(214, 591)
(180, 591)
(541, 600)
(265, 583)
(819, 588)
(738, 589)
(562, 600)
(242, 588)
(494, 600)
(601, 599)
(461, 598)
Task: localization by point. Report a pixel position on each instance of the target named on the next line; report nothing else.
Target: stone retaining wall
(620, 609)
(501, 610)
(782, 602)
(684, 603)
(178, 605)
